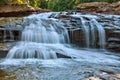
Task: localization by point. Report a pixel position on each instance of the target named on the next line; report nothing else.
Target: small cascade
(8, 35)
(86, 31)
(101, 33)
(43, 32)
(94, 32)
(11, 35)
(4, 36)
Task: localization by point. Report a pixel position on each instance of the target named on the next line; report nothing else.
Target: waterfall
(40, 38)
(86, 31)
(45, 31)
(45, 37)
(94, 32)
(101, 33)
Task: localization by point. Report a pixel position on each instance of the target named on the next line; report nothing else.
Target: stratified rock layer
(13, 10)
(100, 7)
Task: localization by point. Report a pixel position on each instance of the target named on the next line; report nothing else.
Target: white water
(39, 50)
(42, 36)
(86, 32)
(101, 33)
(91, 29)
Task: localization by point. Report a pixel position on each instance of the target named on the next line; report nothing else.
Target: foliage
(42, 4)
(59, 5)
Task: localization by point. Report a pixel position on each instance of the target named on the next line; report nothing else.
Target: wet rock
(77, 37)
(113, 40)
(108, 75)
(3, 53)
(6, 76)
(62, 56)
(117, 76)
(92, 78)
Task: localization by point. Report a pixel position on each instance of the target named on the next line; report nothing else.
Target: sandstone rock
(15, 8)
(92, 78)
(92, 5)
(117, 76)
(100, 7)
(117, 10)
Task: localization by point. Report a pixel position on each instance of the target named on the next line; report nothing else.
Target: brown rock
(92, 78)
(100, 7)
(117, 10)
(15, 8)
(6, 76)
(91, 5)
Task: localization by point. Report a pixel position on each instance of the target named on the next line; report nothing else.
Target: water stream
(44, 44)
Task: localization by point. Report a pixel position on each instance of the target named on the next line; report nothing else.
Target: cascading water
(40, 38)
(42, 35)
(101, 33)
(91, 28)
(86, 31)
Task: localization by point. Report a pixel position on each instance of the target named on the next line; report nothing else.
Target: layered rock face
(110, 23)
(100, 7)
(14, 10)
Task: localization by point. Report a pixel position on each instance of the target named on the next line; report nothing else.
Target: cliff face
(100, 7)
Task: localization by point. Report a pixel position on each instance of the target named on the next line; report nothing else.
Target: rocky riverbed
(92, 64)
